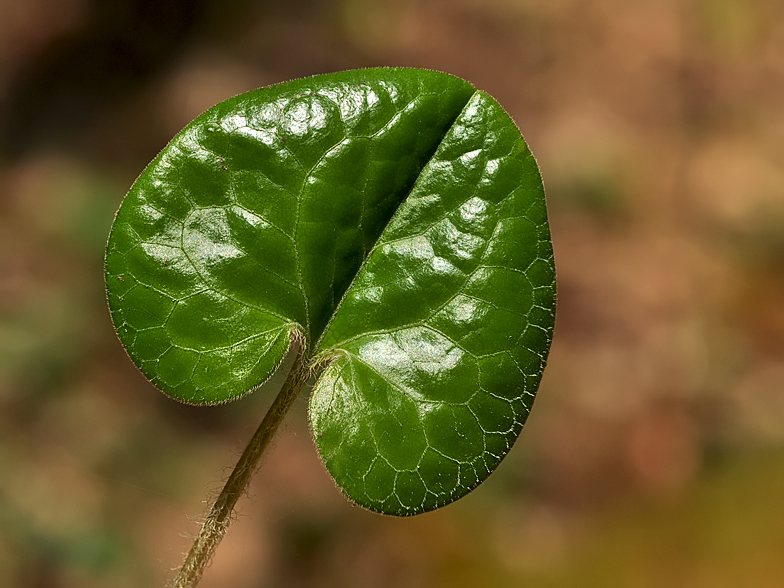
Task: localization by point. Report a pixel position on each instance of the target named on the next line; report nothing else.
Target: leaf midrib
(321, 358)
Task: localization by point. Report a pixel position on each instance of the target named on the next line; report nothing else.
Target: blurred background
(654, 456)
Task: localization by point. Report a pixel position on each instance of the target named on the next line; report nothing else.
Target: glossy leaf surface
(396, 220)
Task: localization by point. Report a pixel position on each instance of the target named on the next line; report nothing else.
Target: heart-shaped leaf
(392, 219)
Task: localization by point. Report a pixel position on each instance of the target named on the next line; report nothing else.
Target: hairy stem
(220, 515)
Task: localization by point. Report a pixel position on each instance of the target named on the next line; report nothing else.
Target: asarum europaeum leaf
(394, 221)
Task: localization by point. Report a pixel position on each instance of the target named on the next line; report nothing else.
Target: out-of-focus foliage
(656, 451)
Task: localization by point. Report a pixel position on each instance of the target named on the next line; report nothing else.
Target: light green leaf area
(392, 219)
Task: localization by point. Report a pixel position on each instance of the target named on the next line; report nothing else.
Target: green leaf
(392, 219)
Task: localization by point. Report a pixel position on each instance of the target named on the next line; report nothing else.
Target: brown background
(654, 456)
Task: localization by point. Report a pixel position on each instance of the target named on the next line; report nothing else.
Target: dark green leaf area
(439, 345)
(254, 220)
(393, 218)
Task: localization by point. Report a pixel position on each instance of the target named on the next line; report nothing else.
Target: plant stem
(220, 515)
